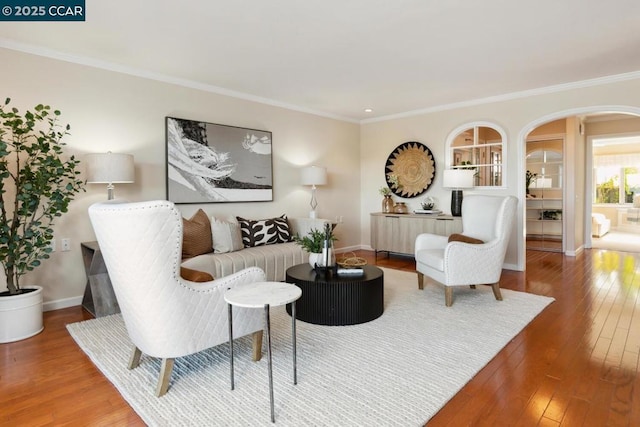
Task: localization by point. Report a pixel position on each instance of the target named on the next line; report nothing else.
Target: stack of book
(356, 271)
(428, 211)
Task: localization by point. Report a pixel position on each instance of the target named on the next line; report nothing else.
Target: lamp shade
(458, 178)
(313, 175)
(109, 168)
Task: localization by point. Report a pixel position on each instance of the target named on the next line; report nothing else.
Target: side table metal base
(289, 299)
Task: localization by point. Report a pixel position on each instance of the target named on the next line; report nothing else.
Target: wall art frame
(410, 169)
(214, 163)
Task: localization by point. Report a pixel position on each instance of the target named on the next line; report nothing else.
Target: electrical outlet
(66, 244)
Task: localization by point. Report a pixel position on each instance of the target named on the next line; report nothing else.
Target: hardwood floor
(575, 364)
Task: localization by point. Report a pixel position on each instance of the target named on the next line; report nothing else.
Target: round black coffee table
(334, 299)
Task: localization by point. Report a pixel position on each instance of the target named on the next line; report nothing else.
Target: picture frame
(214, 163)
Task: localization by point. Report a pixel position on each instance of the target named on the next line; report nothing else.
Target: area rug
(397, 370)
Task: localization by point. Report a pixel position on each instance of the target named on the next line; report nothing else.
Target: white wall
(516, 116)
(122, 113)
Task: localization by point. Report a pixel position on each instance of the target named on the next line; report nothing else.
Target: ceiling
(338, 57)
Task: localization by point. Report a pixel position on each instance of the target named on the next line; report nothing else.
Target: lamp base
(456, 202)
(312, 215)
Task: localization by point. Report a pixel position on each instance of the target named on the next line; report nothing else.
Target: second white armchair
(487, 219)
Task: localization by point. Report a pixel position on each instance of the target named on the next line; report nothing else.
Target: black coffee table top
(305, 272)
(332, 299)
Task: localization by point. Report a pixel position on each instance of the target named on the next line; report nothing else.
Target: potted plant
(530, 177)
(36, 186)
(314, 243)
(387, 202)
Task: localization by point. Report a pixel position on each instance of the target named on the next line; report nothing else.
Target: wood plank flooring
(575, 364)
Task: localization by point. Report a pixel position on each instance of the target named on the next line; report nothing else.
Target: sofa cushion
(464, 239)
(226, 236)
(264, 231)
(274, 260)
(196, 235)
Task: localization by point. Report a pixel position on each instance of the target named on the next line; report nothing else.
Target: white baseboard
(62, 303)
(574, 253)
(509, 266)
(348, 249)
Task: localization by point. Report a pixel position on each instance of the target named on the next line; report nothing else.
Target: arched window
(480, 146)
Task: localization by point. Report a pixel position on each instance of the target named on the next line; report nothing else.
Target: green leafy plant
(530, 177)
(384, 191)
(36, 187)
(314, 241)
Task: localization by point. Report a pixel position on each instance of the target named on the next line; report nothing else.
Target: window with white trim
(479, 146)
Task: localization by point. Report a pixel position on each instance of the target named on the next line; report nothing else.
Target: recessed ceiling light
(368, 110)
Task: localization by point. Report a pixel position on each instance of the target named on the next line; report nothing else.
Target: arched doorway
(578, 206)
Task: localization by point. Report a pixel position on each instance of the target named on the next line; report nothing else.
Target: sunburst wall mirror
(410, 169)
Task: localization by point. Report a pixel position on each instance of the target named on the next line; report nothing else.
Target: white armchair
(165, 315)
(456, 263)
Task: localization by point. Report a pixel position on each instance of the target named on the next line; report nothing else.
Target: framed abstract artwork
(208, 162)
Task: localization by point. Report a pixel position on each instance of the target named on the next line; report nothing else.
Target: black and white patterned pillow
(264, 231)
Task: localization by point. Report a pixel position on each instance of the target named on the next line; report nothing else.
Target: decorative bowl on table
(428, 204)
(350, 260)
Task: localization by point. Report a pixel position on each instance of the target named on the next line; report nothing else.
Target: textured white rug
(397, 370)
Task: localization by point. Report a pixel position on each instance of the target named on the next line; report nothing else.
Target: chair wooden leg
(134, 360)
(420, 280)
(257, 346)
(496, 291)
(448, 296)
(165, 374)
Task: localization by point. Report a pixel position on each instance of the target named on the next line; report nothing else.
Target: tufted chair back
(165, 315)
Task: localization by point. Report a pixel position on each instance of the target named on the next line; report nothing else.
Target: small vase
(387, 204)
(400, 208)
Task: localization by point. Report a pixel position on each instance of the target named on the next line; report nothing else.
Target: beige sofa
(600, 225)
(274, 259)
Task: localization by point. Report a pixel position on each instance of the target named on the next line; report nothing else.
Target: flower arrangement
(384, 191)
(394, 180)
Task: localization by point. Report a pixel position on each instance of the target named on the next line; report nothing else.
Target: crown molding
(513, 95)
(136, 72)
(119, 68)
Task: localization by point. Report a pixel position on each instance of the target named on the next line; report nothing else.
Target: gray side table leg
(293, 334)
(231, 342)
(268, 327)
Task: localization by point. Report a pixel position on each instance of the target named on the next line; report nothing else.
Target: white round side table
(264, 295)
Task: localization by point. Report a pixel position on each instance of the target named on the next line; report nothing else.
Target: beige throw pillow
(226, 236)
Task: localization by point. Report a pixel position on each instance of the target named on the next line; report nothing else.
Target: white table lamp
(457, 179)
(313, 176)
(109, 168)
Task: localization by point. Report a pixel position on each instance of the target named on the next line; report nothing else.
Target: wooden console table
(397, 232)
(99, 298)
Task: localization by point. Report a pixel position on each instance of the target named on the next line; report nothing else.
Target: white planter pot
(319, 259)
(314, 258)
(21, 315)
